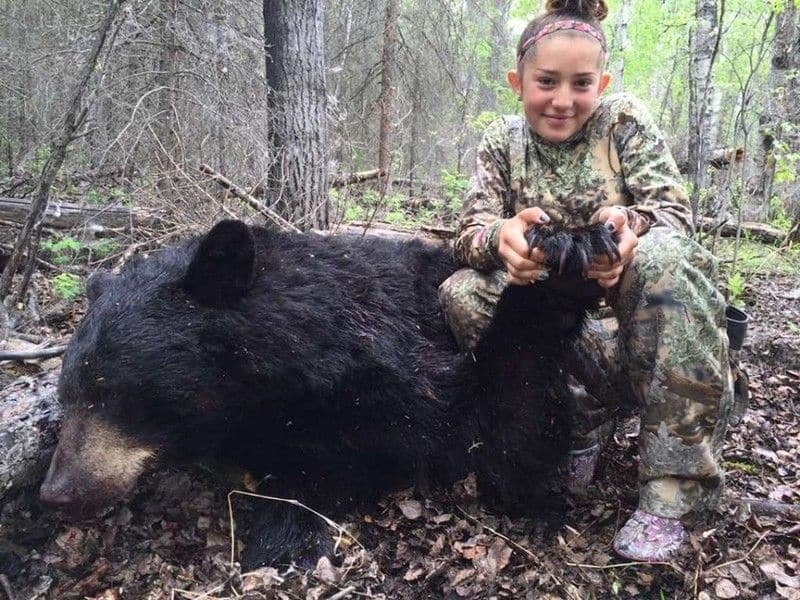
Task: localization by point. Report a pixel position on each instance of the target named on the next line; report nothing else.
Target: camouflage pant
(669, 355)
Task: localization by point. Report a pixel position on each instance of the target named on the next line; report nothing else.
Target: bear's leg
(283, 534)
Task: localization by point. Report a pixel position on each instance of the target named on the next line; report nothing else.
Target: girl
(578, 157)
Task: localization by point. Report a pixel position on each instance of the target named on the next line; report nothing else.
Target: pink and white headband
(565, 25)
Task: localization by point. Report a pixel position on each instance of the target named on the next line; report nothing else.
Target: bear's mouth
(93, 467)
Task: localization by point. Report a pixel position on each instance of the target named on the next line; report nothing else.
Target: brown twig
(240, 193)
(497, 533)
(738, 560)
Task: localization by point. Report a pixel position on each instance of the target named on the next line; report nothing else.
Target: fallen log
(29, 419)
(750, 229)
(769, 508)
(66, 215)
(352, 178)
(719, 158)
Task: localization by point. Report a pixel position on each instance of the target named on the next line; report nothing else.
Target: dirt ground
(173, 539)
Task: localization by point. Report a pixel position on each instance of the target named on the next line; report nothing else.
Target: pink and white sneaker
(649, 538)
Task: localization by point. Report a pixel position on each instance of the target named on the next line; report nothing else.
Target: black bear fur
(325, 365)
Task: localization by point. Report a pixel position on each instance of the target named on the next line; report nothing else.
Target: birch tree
(621, 43)
(704, 43)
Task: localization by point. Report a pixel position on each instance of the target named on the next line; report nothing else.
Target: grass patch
(756, 258)
(747, 468)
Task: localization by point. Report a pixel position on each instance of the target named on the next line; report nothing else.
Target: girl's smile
(559, 84)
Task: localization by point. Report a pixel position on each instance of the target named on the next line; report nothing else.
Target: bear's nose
(55, 500)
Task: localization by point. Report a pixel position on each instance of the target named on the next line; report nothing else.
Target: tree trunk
(28, 239)
(621, 44)
(221, 71)
(701, 96)
(780, 119)
(297, 101)
(416, 112)
(165, 126)
(386, 100)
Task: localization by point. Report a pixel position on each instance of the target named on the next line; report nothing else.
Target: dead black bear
(323, 363)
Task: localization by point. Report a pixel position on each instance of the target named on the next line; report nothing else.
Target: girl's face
(559, 84)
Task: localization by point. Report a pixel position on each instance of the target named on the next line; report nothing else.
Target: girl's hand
(605, 271)
(523, 266)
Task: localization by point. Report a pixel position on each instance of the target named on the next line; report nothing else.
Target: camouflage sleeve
(651, 175)
(484, 206)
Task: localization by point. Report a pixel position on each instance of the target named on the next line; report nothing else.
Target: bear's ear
(97, 284)
(222, 267)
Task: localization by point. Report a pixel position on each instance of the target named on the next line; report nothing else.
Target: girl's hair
(564, 15)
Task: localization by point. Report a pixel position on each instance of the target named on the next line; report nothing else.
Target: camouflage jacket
(618, 158)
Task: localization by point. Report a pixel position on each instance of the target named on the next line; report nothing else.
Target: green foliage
(753, 258)
(741, 466)
(67, 286)
(396, 210)
(736, 287)
(786, 161)
(64, 250)
(103, 248)
(92, 196)
(67, 250)
(525, 9)
(779, 217)
(481, 121)
(40, 156)
(120, 196)
(454, 184)
(354, 212)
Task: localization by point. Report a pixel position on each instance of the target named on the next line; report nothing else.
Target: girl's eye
(584, 83)
(545, 81)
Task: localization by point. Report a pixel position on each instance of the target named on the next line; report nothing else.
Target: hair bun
(586, 9)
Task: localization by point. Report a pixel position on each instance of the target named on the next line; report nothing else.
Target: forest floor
(172, 540)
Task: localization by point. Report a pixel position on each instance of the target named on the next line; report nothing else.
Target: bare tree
(297, 101)
(386, 100)
(28, 238)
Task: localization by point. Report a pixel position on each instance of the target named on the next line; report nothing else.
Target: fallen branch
(240, 193)
(738, 560)
(757, 231)
(769, 508)
(33, 354)
(67, 215)
(497, 533)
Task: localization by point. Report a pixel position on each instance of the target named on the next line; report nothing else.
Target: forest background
(118, 121)
(397, 90)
